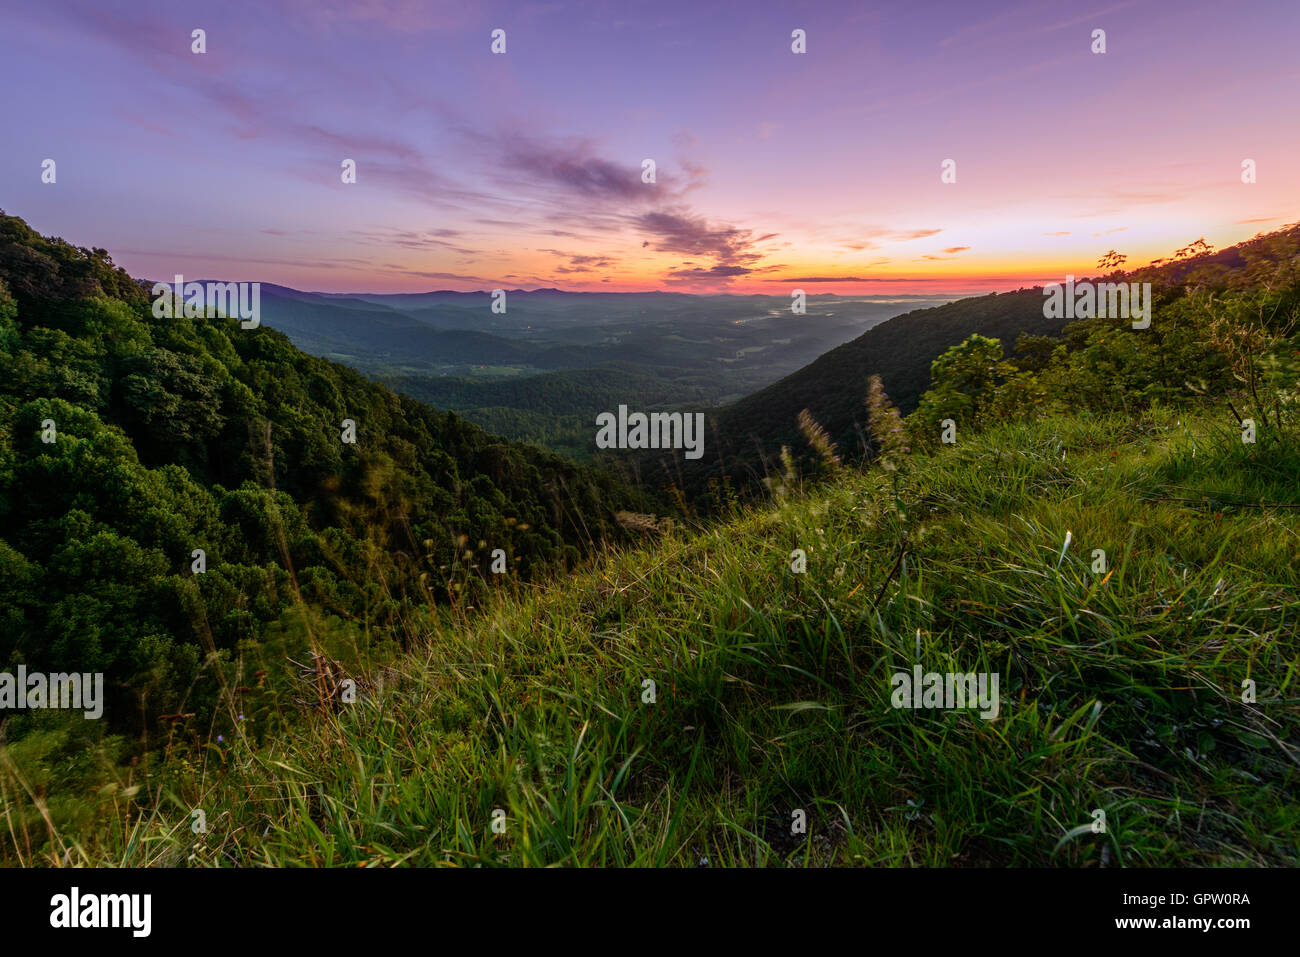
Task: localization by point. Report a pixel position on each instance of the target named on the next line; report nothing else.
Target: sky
(774, 170)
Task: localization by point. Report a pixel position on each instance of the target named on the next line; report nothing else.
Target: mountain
(176, 494)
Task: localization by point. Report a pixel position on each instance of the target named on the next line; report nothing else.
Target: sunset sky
(775, 170)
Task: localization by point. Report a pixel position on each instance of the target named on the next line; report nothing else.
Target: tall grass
(1121, 690)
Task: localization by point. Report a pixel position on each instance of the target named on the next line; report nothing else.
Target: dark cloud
(713, 272)
(681, 232)
(575, 168)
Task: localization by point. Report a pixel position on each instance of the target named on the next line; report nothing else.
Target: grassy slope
(1119, 691)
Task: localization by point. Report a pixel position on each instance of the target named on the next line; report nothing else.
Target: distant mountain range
(554, 360)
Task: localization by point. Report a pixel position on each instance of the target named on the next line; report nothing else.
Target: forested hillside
(747, 436)
(128, 444)
(554, 409)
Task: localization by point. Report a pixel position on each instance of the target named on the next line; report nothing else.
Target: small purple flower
(241, 717)
(220, 739)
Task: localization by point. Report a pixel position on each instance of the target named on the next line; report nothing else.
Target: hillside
(130, 444)
(1121, 690)
(899, 350)
(748, 434)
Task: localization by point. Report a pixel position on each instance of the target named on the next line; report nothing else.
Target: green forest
(130, 443)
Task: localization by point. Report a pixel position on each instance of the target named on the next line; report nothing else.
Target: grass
(1121, 689)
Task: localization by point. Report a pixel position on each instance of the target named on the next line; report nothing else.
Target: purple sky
(775, 170)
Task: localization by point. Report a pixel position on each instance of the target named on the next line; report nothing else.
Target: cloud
(542, 164)
(1066, 233)
(411, 240)
(579, 263)
(860, 279)
(251, 258)
(864, 236)
(681, 232)
(567, 184)
(455, 277)
(1118, 202)
(733, 250)
(575, 170)
(951, 252)
(713, 272)
(1013, 25)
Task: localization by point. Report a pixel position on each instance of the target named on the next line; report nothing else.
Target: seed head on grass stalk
(819, 439)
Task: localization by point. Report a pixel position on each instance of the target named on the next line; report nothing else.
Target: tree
(963, 382)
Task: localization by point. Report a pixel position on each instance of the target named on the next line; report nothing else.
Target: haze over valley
(542, 369)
